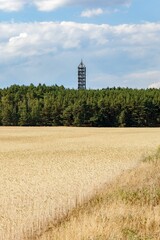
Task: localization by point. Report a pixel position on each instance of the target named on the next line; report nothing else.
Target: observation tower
(81, 76)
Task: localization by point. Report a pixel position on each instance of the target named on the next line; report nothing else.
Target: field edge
(132, 192)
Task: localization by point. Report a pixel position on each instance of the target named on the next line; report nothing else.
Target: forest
(57, 106)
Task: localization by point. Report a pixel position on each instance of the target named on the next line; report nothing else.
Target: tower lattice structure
(81, 76)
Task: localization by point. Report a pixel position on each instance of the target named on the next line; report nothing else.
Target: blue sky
(43, 41)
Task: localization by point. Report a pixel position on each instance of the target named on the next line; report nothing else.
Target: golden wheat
(46, 171)
(126, 209)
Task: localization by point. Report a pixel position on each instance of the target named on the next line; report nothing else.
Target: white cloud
(92, 12)
(49, 5)
(45, 37)
(15, 39)
(11, 5)
(98, 11)
(155, 85)
(133, 40)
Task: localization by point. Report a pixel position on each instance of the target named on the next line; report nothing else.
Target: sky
(43, 41)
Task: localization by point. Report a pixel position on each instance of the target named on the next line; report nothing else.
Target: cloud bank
(50, 5)
(25, 39)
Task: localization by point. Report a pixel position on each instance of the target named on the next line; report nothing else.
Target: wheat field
(128, 208)
(46, 171)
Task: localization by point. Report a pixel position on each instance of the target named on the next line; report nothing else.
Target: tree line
(56, 106)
